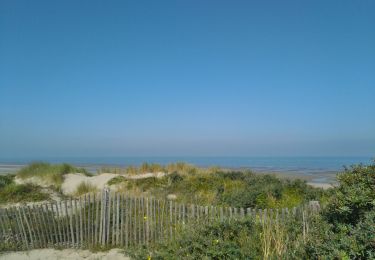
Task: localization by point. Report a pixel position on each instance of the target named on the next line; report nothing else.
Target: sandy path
(73, 254)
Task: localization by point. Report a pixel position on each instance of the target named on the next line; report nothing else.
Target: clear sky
(187, 77)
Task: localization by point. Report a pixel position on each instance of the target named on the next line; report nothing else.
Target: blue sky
(134, 78)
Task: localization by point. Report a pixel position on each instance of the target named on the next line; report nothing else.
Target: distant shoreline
(316, 178)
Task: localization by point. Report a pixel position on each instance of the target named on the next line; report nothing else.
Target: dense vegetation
(345, 229)
(227, 188)
(13, 193)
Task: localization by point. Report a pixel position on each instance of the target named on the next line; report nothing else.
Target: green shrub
(353, 197)
(231, 239)
(219, 240)
(116, 180)
(6, 180)
(14, 193)
(346, 229)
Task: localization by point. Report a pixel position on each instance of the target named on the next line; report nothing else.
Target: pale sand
(324, 186)
(71, 254)
(73, 180)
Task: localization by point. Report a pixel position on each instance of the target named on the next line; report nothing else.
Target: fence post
(104, 224)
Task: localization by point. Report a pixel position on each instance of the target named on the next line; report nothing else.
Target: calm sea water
(321, 169)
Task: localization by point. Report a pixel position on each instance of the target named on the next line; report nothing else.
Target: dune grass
(13, 193)
(226, 188)
(116, 180)
(181, 167)
(83, 188)
(49, 173)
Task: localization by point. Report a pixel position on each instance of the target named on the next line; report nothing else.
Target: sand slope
(73, 180)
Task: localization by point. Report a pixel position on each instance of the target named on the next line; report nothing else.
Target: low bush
(5, 180)
(14, 193)
(346, 229)
(219, 240)
(116, 180)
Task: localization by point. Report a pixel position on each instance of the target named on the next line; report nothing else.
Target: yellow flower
(149, 257)
(144, 217)
(216, 241)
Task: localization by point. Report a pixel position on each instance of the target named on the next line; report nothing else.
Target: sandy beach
(71, 254)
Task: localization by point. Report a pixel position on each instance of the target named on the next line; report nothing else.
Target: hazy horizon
(211, 78)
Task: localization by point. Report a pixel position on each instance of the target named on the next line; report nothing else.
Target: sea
(313, 168)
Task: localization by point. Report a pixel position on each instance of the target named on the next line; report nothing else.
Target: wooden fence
(110, 219)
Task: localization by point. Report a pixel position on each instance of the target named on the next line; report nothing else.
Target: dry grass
(85, 187)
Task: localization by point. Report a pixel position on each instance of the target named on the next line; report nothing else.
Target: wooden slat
(122, 220)
(85, 222)
(88, 238)
(68, 242)
(102, 218)
(118, 220)
(80, 212)
(37, 225)
(25, 218)
(135, 231)
(71, 222)
(97, 219)
(76, 223)
(11, 225)
(22, 228)
(32, 226)
(58, 224)
(108, 219)
(113, 219)
(54, 224)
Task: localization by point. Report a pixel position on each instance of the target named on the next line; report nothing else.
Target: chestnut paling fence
(110, 219)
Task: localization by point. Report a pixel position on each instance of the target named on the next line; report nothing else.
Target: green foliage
(52, 174)
(354, 197)
(231, 239)
(228, 188)
(346, 229)
(219, 240)
(116, 180)
(5, 180)
(14, 193)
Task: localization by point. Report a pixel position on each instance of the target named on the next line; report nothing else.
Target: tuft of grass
(14, 193)
(116, 180)
(6, 180)
(85, 187)
(52, 174)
